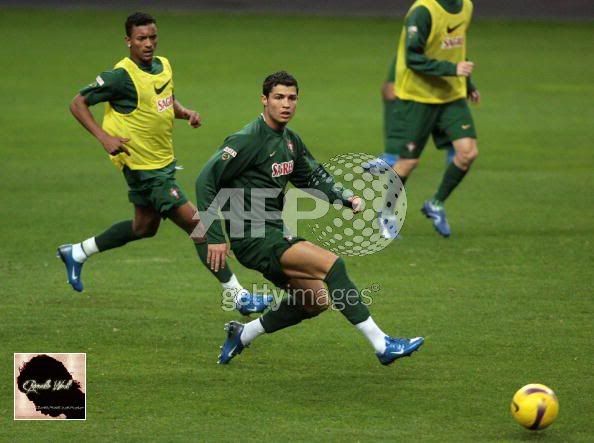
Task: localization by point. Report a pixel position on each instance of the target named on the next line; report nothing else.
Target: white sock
(233, 283)
(82, 251)
(374, 334)
(250, 331)
(90, 247)
(236, 288)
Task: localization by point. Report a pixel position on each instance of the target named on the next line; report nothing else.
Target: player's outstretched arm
(183, 113)
(80, 110)
(309, 174)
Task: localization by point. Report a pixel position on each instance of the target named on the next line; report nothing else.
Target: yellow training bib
(150, 126)
(447, 41)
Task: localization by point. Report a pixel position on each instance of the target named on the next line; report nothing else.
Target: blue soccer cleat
(232, 345)
(399, 347)
(438, 215)
(388, 226)
(247, 303)
(380, 164)
(73, 268)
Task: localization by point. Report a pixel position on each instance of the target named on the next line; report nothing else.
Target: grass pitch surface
(506, 301)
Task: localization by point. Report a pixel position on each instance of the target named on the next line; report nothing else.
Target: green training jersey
(259, 158)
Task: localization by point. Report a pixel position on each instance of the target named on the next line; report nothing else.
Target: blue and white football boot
(232, 345)
(247, 303)
(388, 226)
(438, 215)
(399, 347)
(378, 165)
(73, 268)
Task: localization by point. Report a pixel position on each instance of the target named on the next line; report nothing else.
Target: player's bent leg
(466, 152)
(304, 260)
(387, 349)
(146, 221)
(404, 167)
(117, 235)
(306, 299)
(185, 216)
(311, 295)
(306, 265)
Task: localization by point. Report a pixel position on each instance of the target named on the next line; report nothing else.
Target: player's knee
(473, 154)
(468, 156)
(311, 311)
(467, 153)
(405, 166)
(145, 231)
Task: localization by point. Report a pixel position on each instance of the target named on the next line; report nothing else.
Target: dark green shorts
(413, 122)
(155, 188)
(263, 254)
(440, 138)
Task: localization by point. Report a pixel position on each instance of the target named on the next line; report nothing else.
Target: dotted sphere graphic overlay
(345, 233)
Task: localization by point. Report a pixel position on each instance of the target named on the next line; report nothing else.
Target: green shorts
(155, 188)
(263, 254)
(413, 122)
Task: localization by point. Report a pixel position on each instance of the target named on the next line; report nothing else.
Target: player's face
(143, 43)
(280, 105)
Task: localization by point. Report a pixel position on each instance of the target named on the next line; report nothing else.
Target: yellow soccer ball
(535, 406)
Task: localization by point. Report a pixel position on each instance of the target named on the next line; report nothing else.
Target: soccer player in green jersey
(261, 159)
(389, 98)
(136, 133)
(390, 155)
(431, 86)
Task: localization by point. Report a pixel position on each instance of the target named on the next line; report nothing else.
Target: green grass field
(508, 300)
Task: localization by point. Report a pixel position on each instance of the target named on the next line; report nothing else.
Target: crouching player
(266, 155)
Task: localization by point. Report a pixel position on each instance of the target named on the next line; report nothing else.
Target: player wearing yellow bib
(137, 128)
(431, 86)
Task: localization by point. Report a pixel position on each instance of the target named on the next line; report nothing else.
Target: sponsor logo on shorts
(164, 103)
(411, 146)
(284, 168)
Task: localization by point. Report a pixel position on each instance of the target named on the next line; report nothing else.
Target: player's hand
(357, 203)
(115, 145)
(388, 93)
(193, 117)
(464, 69)
(217, 255)
(474, 96)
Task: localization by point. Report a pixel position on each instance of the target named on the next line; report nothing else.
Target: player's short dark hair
(278, 78)
(138, 19)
